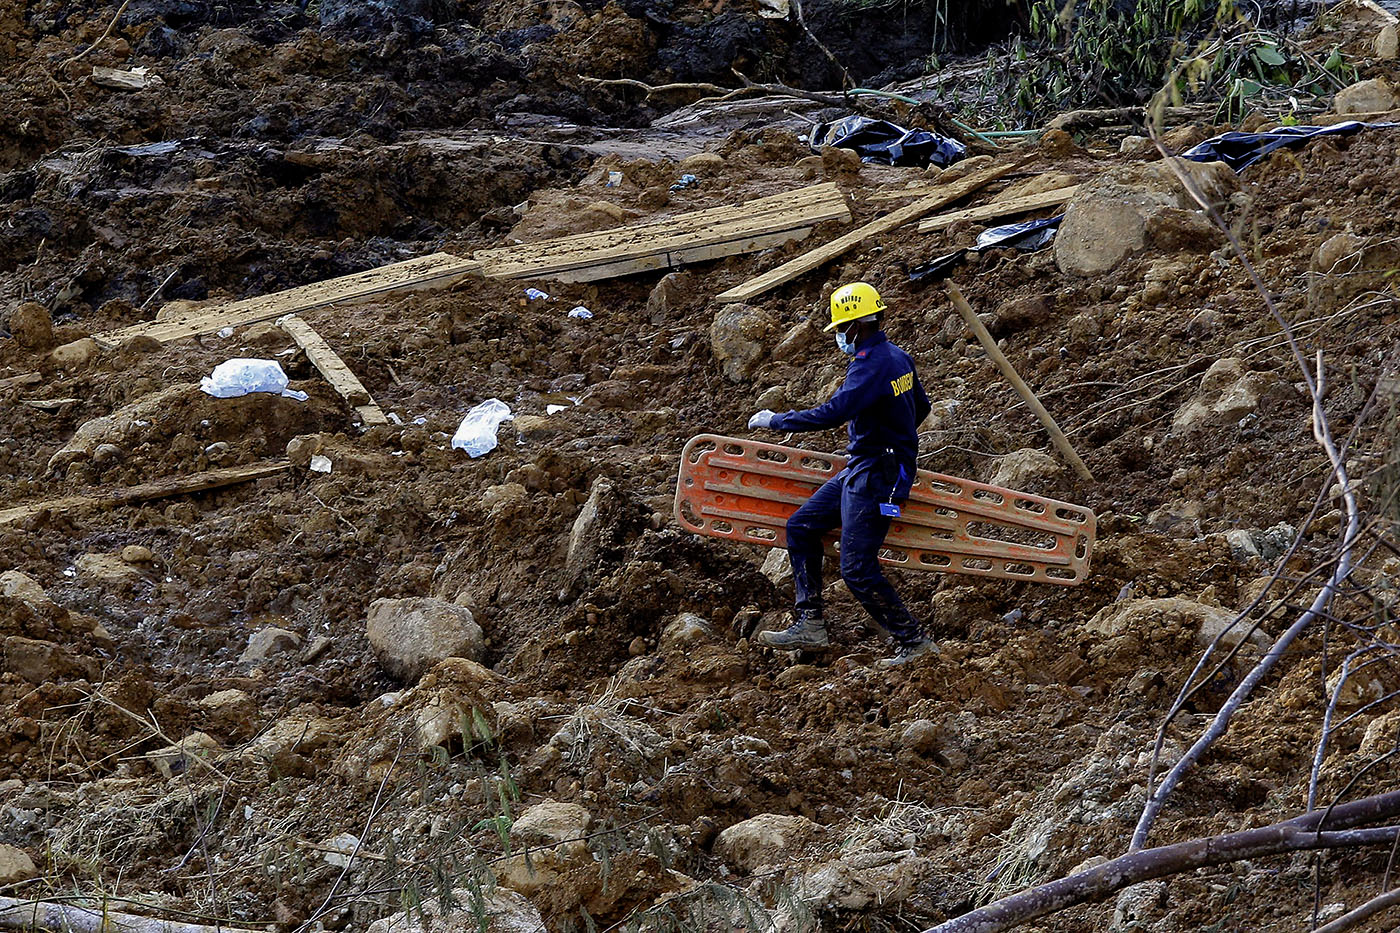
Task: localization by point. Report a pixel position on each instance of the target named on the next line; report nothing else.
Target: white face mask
(847, 346)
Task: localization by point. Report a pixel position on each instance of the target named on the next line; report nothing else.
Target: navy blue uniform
(884, 403)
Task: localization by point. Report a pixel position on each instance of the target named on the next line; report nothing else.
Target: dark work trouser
(856, 508)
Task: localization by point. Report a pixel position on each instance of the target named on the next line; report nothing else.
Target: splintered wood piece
(439, 270)
(746, 490)
(145, 492)
(823, 254)
(671, 242)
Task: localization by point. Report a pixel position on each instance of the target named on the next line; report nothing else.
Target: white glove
(763, 419)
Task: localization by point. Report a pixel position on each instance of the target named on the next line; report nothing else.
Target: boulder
(39, 661)
(1346, 265)
(551, 823)
(503, 911)
(409, 636)
(301, 732)
(864, 880)
(267, 641)
(31, 326)
(1373, 96)
(585, 534)
(1125, 210)
(670, 295)
(1228, 392)
(15, 866)
(1026, 470)
(739, 337)
(1387, 43)
(23, 587)
(684, 631)
(73, 355)
(766, 839)
(1143, 617)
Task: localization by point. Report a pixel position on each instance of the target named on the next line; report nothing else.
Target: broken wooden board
(673, 242)
(439, 270)
(842, 244)
(745, 490)
(145, 492)
(1021, 205)
(329, 364)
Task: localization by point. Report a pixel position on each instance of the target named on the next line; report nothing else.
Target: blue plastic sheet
(885, 143)
(1240, 150)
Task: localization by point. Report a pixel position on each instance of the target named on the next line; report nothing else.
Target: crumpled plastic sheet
(885, 143)
(477, 432)
(1027, 236)
(1241, 150)
(234, 378)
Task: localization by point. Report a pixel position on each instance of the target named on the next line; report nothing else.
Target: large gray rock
(1374, 96)
(1228, 392)
(766, 839)
(739, 337)
(409, 636)
(1127, 209)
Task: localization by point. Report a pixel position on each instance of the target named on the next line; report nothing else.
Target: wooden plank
(689, 238)
(692, 222)
(145, 492)
(439, 270)
(327, 362)
(825, 253)
(1027, 202)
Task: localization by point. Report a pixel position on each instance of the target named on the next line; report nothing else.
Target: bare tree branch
(1319, 829)
(1356, 916)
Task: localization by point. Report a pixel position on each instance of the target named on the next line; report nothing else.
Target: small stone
(303, 447)
(537, 428)
(137, 554)
(920, 736)
(23, 587)
(266, 642)
(104, 454)
(1026, 470)
(739, 338)
(15, 866)
(840, 163)
(174, 760)
(552, 823)
(685, 631)
(777, 567)
(319, 646)
(1136, 145)
(31, 326)
(637, 647)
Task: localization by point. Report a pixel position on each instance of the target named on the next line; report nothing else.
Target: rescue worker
(884, 404)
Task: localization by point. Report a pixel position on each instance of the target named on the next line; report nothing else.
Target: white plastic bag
(477, 432)
(233, 378)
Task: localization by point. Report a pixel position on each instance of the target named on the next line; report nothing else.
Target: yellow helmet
(856, 300)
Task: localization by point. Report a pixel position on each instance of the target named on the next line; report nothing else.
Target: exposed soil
(296, 149)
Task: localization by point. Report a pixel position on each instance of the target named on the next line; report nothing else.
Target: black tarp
(886, 143)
